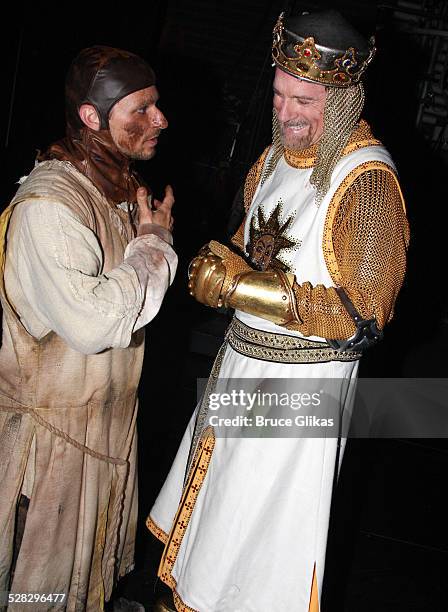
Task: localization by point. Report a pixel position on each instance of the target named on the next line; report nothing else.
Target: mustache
(293, 123)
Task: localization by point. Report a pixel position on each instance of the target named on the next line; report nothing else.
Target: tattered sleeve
(60, 271)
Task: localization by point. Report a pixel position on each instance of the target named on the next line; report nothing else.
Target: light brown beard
(297, 144)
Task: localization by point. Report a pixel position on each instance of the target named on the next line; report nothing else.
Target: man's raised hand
(159, 215)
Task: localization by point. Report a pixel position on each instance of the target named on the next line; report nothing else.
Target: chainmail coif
(342, 111)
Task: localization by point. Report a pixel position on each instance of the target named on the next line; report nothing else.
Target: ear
(89, 116)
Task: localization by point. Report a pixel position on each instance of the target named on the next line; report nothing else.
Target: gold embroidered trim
(327, 241)
(281, 348)
(185, 510)
(301, 159)
(295, 161)
(354, 146)
(156, 530)
(180, 605)
(314, 594)
(253, 178)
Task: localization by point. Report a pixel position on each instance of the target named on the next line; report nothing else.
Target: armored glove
(219, 277)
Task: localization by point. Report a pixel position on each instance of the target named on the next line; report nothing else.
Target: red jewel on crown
(340, 77)
(307, 50)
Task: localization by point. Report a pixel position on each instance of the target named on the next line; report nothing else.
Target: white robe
(258, 525)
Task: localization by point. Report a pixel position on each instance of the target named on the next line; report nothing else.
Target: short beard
(128, 142)
(298, 143)
(136, 156)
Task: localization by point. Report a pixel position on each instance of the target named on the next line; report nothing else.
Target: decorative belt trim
(281, 348)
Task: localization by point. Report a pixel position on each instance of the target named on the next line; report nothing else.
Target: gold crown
(343, 71)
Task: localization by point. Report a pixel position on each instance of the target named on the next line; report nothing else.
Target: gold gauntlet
(206, 275)
(268, 295)
(212, 272)
(219, 277)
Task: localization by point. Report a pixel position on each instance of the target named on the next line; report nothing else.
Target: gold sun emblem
(266, 241)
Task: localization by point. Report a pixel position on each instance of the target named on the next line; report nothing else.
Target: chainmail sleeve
(365, 240)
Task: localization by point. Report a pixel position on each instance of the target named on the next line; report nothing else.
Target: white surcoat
(257, 529)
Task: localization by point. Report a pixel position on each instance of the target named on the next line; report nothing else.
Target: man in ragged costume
(313, 275)
(81, 275)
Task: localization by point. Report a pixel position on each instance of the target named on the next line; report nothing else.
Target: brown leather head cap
(102, 76)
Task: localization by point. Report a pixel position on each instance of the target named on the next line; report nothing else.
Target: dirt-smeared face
(135, 123)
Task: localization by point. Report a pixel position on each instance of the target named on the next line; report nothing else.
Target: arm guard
(268, 295)
(219, 277)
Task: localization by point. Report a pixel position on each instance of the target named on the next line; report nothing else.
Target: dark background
(388, 542)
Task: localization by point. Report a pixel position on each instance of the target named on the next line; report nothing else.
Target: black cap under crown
(321, 47)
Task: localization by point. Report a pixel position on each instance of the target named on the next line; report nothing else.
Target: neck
(94, 154)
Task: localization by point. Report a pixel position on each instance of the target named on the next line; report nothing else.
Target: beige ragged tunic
(77, 292)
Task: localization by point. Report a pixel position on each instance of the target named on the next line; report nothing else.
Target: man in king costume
(80, 278)
(313, 275)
